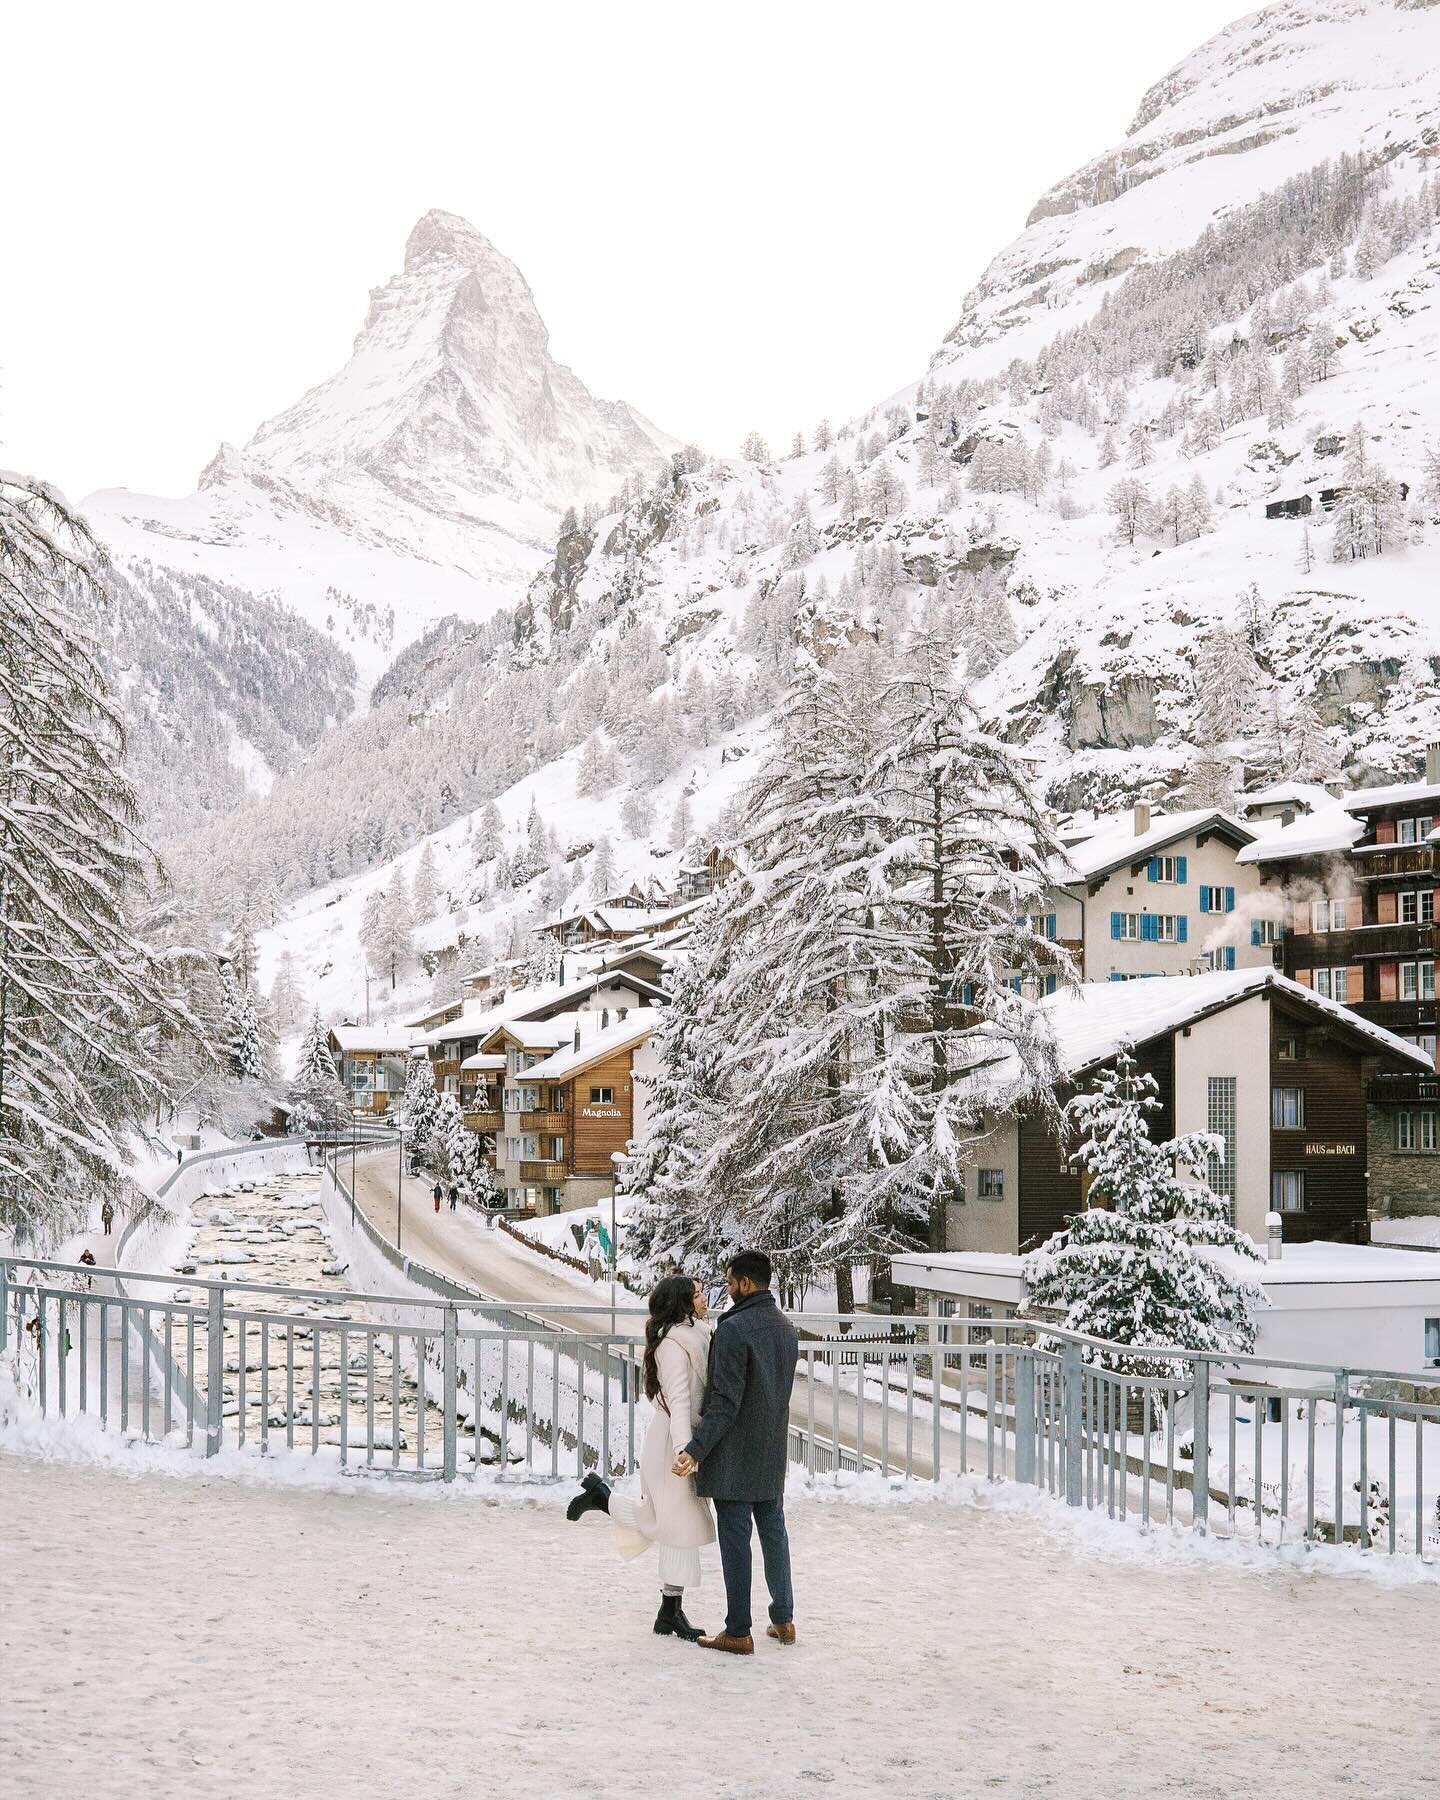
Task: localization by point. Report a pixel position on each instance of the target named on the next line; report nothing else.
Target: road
(467, 1247)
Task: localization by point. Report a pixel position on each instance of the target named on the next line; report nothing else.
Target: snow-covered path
(207, 1637)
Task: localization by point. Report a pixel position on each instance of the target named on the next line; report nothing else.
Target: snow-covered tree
(317, 1100)
(1129, 500)
(87, 1010)
(286, 1000)
(418, 1106)
(1227, 678)
(425, 891)
(1135, 1267)
(246, 1047)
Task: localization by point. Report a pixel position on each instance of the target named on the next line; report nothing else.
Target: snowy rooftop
(388, 1038)
(1364, 799)
(623, 918)
(593, 1045)
(1307, 795)
(1100, 1018)
(481, 1061)
(479, 1020)
(1115, 841)
(1331, 827)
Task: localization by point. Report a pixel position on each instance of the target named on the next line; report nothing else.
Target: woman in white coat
(668, 1512)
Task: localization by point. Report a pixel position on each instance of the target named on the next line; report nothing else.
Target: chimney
(1274, 1240)
(1287, 815)
(604, 1018)
(577, 1034)
(562, 971)
(1142, 817)
(1432, 765)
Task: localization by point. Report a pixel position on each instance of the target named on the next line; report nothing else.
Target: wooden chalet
(371, 1062)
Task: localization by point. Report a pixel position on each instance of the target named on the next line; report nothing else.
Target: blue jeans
(732, 1527)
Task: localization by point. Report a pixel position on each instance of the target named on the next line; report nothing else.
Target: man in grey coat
(738, 1453)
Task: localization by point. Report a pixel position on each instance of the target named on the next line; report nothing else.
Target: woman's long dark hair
(672, 1302)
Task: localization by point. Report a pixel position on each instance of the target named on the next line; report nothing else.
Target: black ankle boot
(671, 1622)
(596, 1498)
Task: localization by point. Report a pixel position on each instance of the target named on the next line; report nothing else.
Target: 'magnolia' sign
(600, 1112)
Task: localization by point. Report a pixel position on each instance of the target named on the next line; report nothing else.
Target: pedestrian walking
(737, 1452)
(590, 1248)
(107, 1217)
(439, 1193)
(454, 1195)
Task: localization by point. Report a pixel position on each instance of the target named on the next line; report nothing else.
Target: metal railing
(1232, 1446)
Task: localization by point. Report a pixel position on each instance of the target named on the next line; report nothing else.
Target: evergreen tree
(1134, 1268)
(1129, 500)
(425, 893)
(88, 1014)
(418, 1107)
(317, 1100)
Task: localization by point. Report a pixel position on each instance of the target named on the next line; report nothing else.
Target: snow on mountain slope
(427, 477)
(1269, 96)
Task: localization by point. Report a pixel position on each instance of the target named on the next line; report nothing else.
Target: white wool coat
(669, 1512)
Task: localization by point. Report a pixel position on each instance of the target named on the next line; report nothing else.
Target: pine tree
(89, 1017)
(418, 1107)
(601, 874)
(1134, 1268)
(317, 1100)
(1227, 678)
(286, 1001)
(425, 892)
(1129, 500)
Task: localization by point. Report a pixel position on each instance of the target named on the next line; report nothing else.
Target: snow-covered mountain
(1230, 314)
(427, 477)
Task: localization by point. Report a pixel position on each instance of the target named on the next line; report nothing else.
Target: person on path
(667, 1512)
(590, 1249)
(438, 1192)
(107, 1217)
(738, 1451)
(454, 1196)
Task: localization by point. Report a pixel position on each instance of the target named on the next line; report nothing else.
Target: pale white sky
(731, 214)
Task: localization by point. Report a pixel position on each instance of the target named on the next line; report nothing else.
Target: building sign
(1329, 1150)
(601, 1112)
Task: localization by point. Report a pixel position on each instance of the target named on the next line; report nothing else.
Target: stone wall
(1402, 1183)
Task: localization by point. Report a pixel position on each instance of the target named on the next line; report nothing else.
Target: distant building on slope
(371, 1061)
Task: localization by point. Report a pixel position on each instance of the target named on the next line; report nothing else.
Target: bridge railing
(1238, 1447)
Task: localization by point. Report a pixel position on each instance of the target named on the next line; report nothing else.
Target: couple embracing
(719, 1435)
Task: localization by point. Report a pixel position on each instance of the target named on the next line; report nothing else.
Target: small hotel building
(371, 1061)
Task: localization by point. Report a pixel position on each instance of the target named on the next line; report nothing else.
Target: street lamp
(399, 1184)
(352, 1170)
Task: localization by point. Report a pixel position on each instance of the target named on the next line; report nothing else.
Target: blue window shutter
(1153, 872)
(1117, 924)
(1229, 899)
(1050, 926)
(1180, 870)
(1255, 932)
(1015, 983)
(967, 994)
(1115, 976)
(1230, 956)
(1182, 929)
(1049, 984)
(1204, 899)
(1149, 927)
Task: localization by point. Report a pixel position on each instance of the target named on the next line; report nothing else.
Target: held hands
(684, 1464)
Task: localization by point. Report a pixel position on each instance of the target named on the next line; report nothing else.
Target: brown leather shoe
(736, 1646)
(782, 1634)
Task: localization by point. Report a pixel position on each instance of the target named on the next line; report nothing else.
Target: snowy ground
(385, 1641)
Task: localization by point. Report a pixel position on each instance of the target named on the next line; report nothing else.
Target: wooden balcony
(548, 1122)
(482, 1121)
(549, 1174)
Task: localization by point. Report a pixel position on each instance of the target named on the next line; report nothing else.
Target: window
(602, 1096)
(1265, 931)
(978, 1310)
(1168, 869)
(1217, 899)
(1416, 1132)
(1287, 1108)
(1288, 1049)
(1220, 959)
(1426, 1041)
(1125, 927)
(1406, 833)
(1432, 1342)
(1164, 928)
(1417, 980)
(1329, 983)
(1287, 1190)
(1319, 915)
(1409, 909)
(1220, 1118)
(991, 1184)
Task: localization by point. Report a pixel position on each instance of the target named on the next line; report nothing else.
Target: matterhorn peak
(446, 237)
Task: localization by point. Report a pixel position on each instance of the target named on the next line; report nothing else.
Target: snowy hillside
(427, 477)
(1233, 311)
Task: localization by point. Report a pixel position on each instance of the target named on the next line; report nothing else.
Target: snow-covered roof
(1329, 829)
(481, 1061)
(479, 1020)
(594, 1045)
(624, 918)
(388, 1039)
(1299, 1265)
(1366, 799)
(537, 1034)
(1100, 1018)
(1115, 841)
(1307, 795)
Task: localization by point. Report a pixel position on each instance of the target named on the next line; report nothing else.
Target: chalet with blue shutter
(1147, 894)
